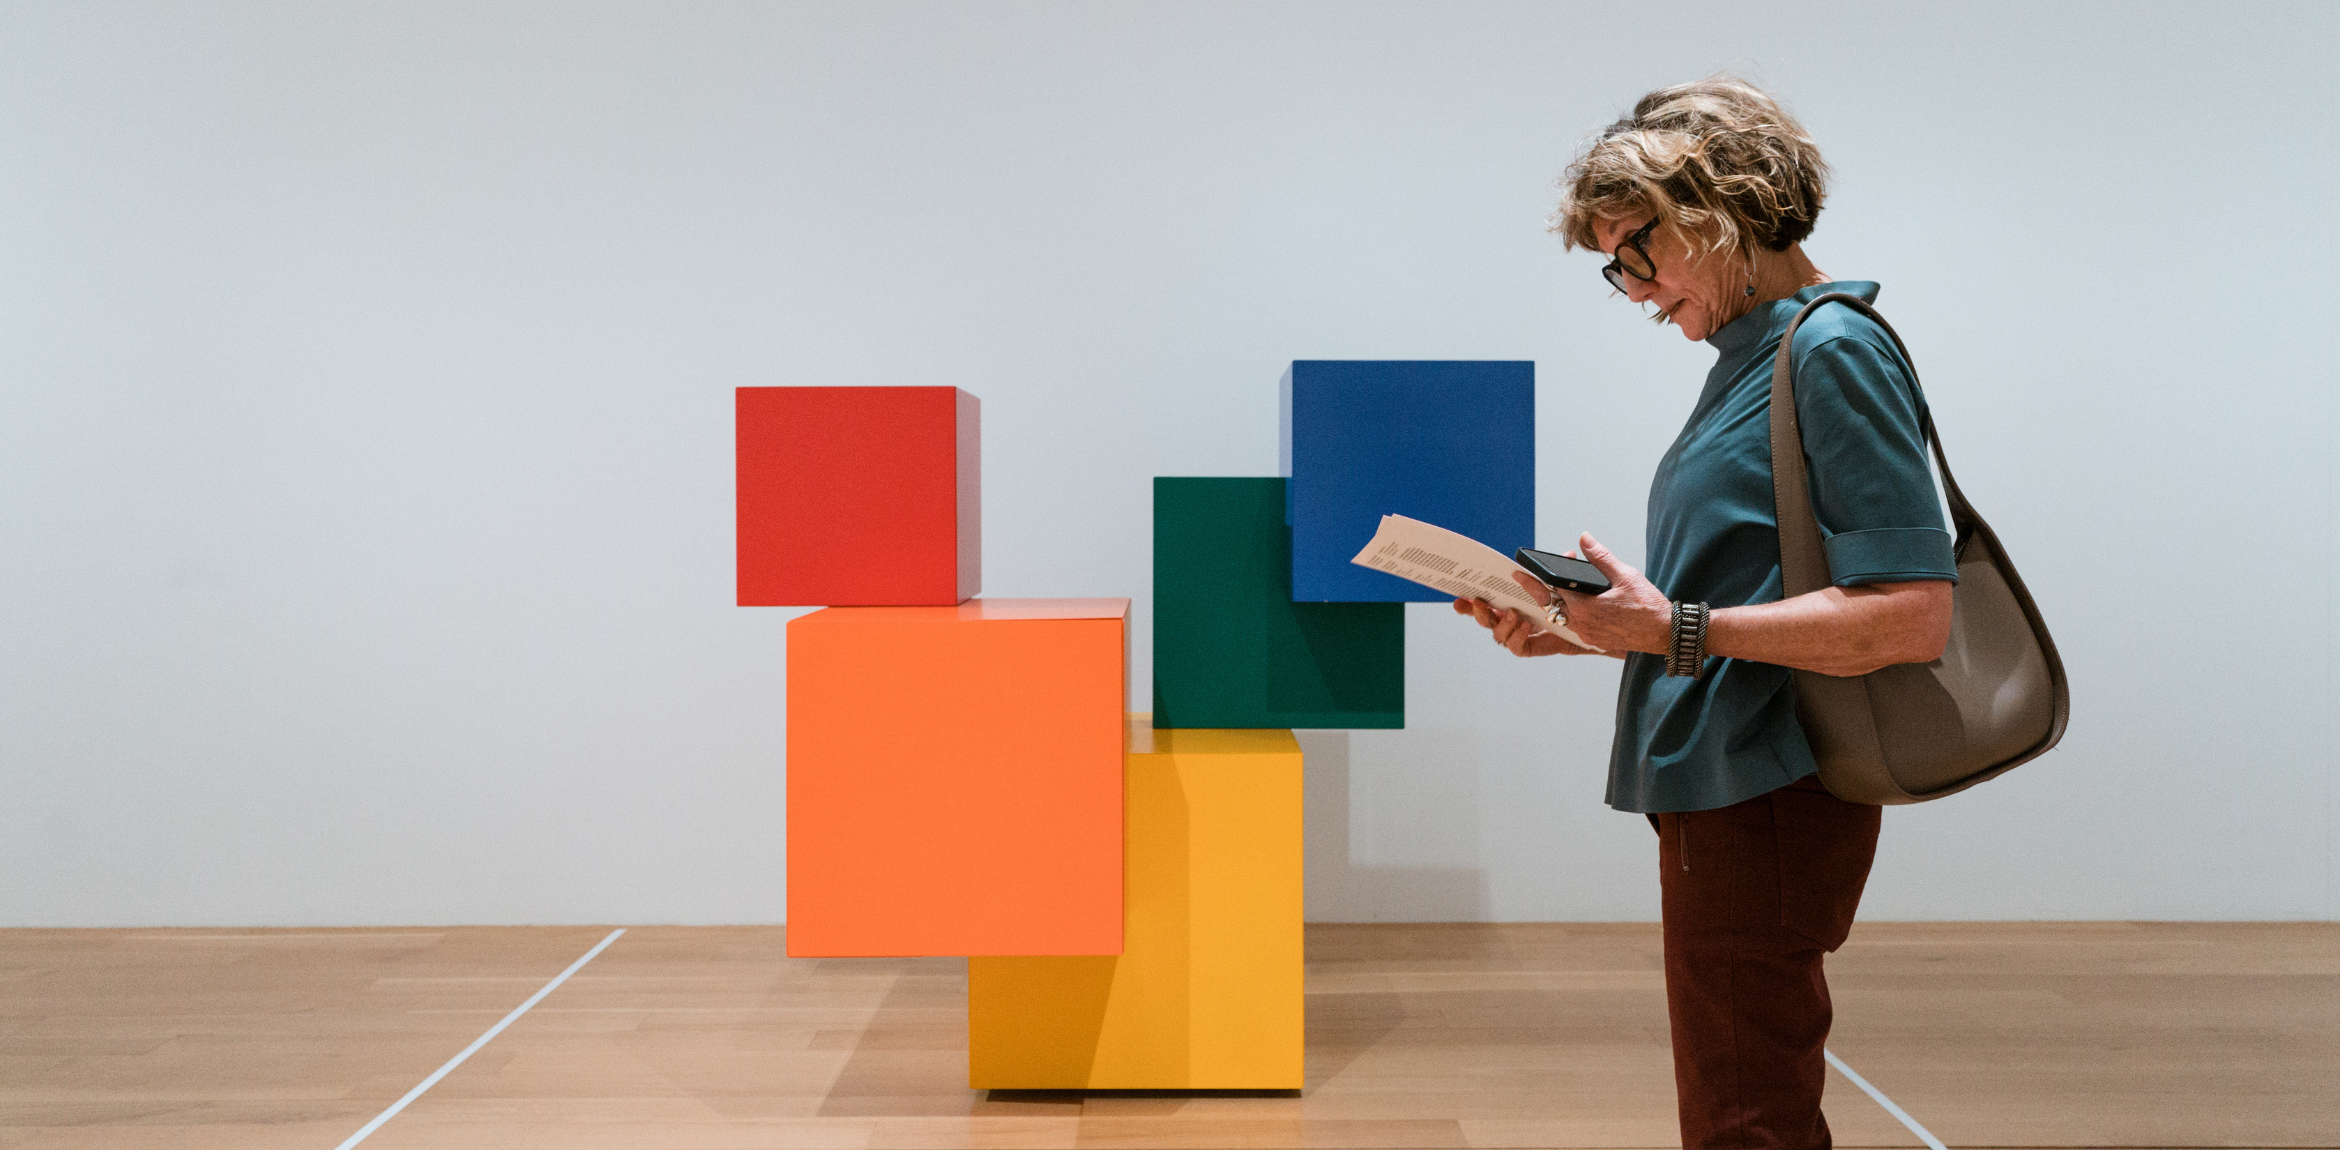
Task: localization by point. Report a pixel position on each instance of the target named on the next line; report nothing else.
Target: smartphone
(1561, 571)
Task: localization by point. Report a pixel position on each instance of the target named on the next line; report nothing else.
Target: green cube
(1231, 648)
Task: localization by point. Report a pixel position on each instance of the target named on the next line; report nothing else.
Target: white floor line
(1887, 1103)
(482, 1040)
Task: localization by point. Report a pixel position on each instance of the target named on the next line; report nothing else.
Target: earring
(1750, 289)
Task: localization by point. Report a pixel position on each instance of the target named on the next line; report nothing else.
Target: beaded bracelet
(1686, 657)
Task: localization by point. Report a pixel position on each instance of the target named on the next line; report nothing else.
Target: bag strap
(1803, 556)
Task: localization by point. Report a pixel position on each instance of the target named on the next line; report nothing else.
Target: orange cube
(954, 778)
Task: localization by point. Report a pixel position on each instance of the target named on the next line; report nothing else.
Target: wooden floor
(2001, 1035)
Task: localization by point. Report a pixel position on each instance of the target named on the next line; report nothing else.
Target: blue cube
(1450, 442)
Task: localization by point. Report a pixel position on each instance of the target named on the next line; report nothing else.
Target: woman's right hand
(1514, 632)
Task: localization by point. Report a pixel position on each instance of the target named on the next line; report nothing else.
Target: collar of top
(1766, 320)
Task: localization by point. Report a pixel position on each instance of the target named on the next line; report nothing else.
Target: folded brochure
(1458, 565)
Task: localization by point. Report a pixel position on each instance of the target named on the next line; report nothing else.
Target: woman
(1701, 198)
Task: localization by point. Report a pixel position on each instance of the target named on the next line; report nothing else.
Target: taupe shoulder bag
(1904, 734)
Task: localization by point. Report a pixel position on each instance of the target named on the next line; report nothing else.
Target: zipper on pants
(1682, 836)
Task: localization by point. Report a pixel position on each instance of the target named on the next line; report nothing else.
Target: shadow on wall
(1339, 890)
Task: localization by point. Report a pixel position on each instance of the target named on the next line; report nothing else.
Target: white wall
(365, 412)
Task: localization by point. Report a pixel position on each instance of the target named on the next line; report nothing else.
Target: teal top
(1694, 745)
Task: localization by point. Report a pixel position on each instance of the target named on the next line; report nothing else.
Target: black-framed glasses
(1632, 256)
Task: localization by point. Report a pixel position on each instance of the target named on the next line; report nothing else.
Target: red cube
(859, 496)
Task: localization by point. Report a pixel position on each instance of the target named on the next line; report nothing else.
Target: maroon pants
(1755, 895)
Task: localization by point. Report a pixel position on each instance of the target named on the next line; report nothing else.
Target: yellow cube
(1207, 992)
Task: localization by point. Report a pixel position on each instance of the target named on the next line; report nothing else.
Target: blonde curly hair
(1719, 160)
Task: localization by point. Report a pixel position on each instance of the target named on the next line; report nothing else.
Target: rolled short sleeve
(1872, 490)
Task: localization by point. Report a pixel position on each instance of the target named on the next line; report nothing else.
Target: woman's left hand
(1513, 632)
(1632, 615)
